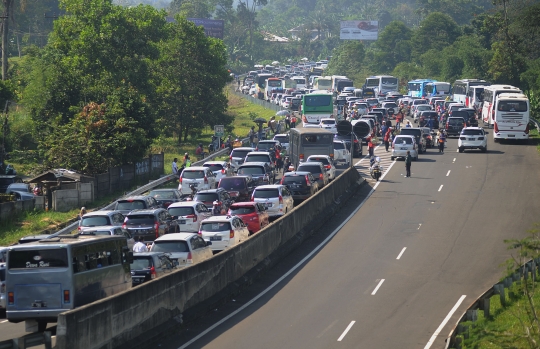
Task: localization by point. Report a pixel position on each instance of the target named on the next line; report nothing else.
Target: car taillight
(11, 298)
(156, 227)
(180, 180)
(327, 167)
(66, 296)
(231, 234)
(447, 126)
(281, 200)
(230, 158)
(496, 128)
(153, 273)
(205, 180)
(252, 197)
(124, 226)
(301, 157)
(193, 216)
(79, 228)
(189, 259)
(321, 176)
(223, 171)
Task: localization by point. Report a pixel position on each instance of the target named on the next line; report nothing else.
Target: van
(418, 134)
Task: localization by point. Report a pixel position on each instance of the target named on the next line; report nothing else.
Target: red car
(253, 214)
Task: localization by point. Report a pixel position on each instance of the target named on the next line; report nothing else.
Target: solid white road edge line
(401, 253)
(1, 322)
(439, 329)
(448, 173)
(440, 188)
(377, 288)
(345, 332)
(269, 288)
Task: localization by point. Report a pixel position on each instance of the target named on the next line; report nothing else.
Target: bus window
(311, 139)
(515, 106)
(317, 101)
(42, 258)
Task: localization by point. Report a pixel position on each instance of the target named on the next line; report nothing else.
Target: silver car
(109, 230)
(276, 198)
(238, 155)
(402, 144)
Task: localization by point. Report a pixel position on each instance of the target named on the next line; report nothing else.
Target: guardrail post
(499, 288)
(472, 315)
(485, 306)
(458, 343)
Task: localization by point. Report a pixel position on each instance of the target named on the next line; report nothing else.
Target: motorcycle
(375, 169)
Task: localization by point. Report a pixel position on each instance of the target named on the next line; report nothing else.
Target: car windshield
(456, 121)
(242, 210)
(258, 158)
(193, 174)
(180, 211)
(322, 159)
(240, 153)
(170, 246)
(265, 193)
(214, 167)
(328, 122)
(265, 145)
(424, 107)
(310, 168)
(232, 183)
(251, 170)
(282, 139)
(162, 194)
(130, 205)
(141, 263)
(339, 145)
(137, 219)
(403, 140)
(206, 197)
(215, 226)
(466, 132)
(95, 221)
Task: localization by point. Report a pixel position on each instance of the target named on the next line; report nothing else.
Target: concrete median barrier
(133, 318)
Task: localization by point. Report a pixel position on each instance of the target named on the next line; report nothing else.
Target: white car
(362, 108)
(237, 156)
(328, 124)
(402, 144)
(277, 199)
(419, 108)
(328, 163)
(342, 154)
(223, 231)
(189, 215)
(184, 248)
(472, 138)
(218, 167)
(201, 177)
(109, 230)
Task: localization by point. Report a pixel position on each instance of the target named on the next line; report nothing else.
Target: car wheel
(484, 150)
(393, 158)
(416, 158)
(461, 150)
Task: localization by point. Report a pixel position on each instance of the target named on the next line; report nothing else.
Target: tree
(436, 32)
(392, 47)
(347, 59)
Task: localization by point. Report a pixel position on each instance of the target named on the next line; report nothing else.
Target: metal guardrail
(453, 341)
(260, 102)
(30, 340)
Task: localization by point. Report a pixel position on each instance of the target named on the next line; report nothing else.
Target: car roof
(311, 163)
(282, 135)
(258, 153)
(176, 236)
(253, 163)
(209, 191)
(225, 218)
(244, 148)
(244, 203)
(325, 156)
(296, 173)
(164, 189)
(147, 254)
(269, 186)
(190, 203)
(473, 128)
(195, 168)
(100, 227)
(215, 162)
(144, 211)
(268, 141)
(136, 197)
(408, 136)
(100, 213)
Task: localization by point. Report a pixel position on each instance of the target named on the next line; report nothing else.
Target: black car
(302, 185)
(147, 266)
(136, 203)
(239, 188)
(165, 197)
(6, 180)
(454, 125)
(358, 148)
(150, 223)
(207, 197)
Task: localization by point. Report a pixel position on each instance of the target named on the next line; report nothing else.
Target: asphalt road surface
(401, 271)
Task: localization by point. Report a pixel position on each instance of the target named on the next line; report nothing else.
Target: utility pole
(5, 22)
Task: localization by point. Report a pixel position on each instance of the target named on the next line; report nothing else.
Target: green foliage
(392, 47)
(348, 59)
(436, 32)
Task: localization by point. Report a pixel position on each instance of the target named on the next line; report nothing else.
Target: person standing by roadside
(175, 167)
(371, 145)
(82, 213)
(251, 136)
(387, 136)
(408, 161)
(293, 121)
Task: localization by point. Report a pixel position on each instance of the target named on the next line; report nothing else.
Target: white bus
(461, 90)
(50, 276)
(300, 82)
(323, 83)
(382, 84)
(512, 111)
(490, 97)
(438, 88)
(475, 96)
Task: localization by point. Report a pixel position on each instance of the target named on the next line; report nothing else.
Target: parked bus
(490, 97)
(475, 97)
(260, 84)
(316, 106)
(381, 84)
(273, 85)
(323, 83)
(462, 88)
(441, 89)
(417, 88)
(512, 111)
(304, 142)
(48, 277)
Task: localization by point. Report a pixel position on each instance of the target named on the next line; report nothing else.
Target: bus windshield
(274, 83)
(317, 101)
(372, 82)
(414, 86)
(389, 81)
(38, 258)
(514, 106)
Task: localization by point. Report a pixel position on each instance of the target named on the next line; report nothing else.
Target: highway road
(401, 271)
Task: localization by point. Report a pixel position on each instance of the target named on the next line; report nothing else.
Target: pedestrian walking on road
(408, 161)
(387, 137)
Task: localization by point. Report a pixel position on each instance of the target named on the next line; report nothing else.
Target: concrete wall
(10, 209)
(64, 200)
(123, 321)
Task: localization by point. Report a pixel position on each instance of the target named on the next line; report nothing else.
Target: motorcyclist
(216, 209)
(286, 164)
(441, 138)
(375, 163)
